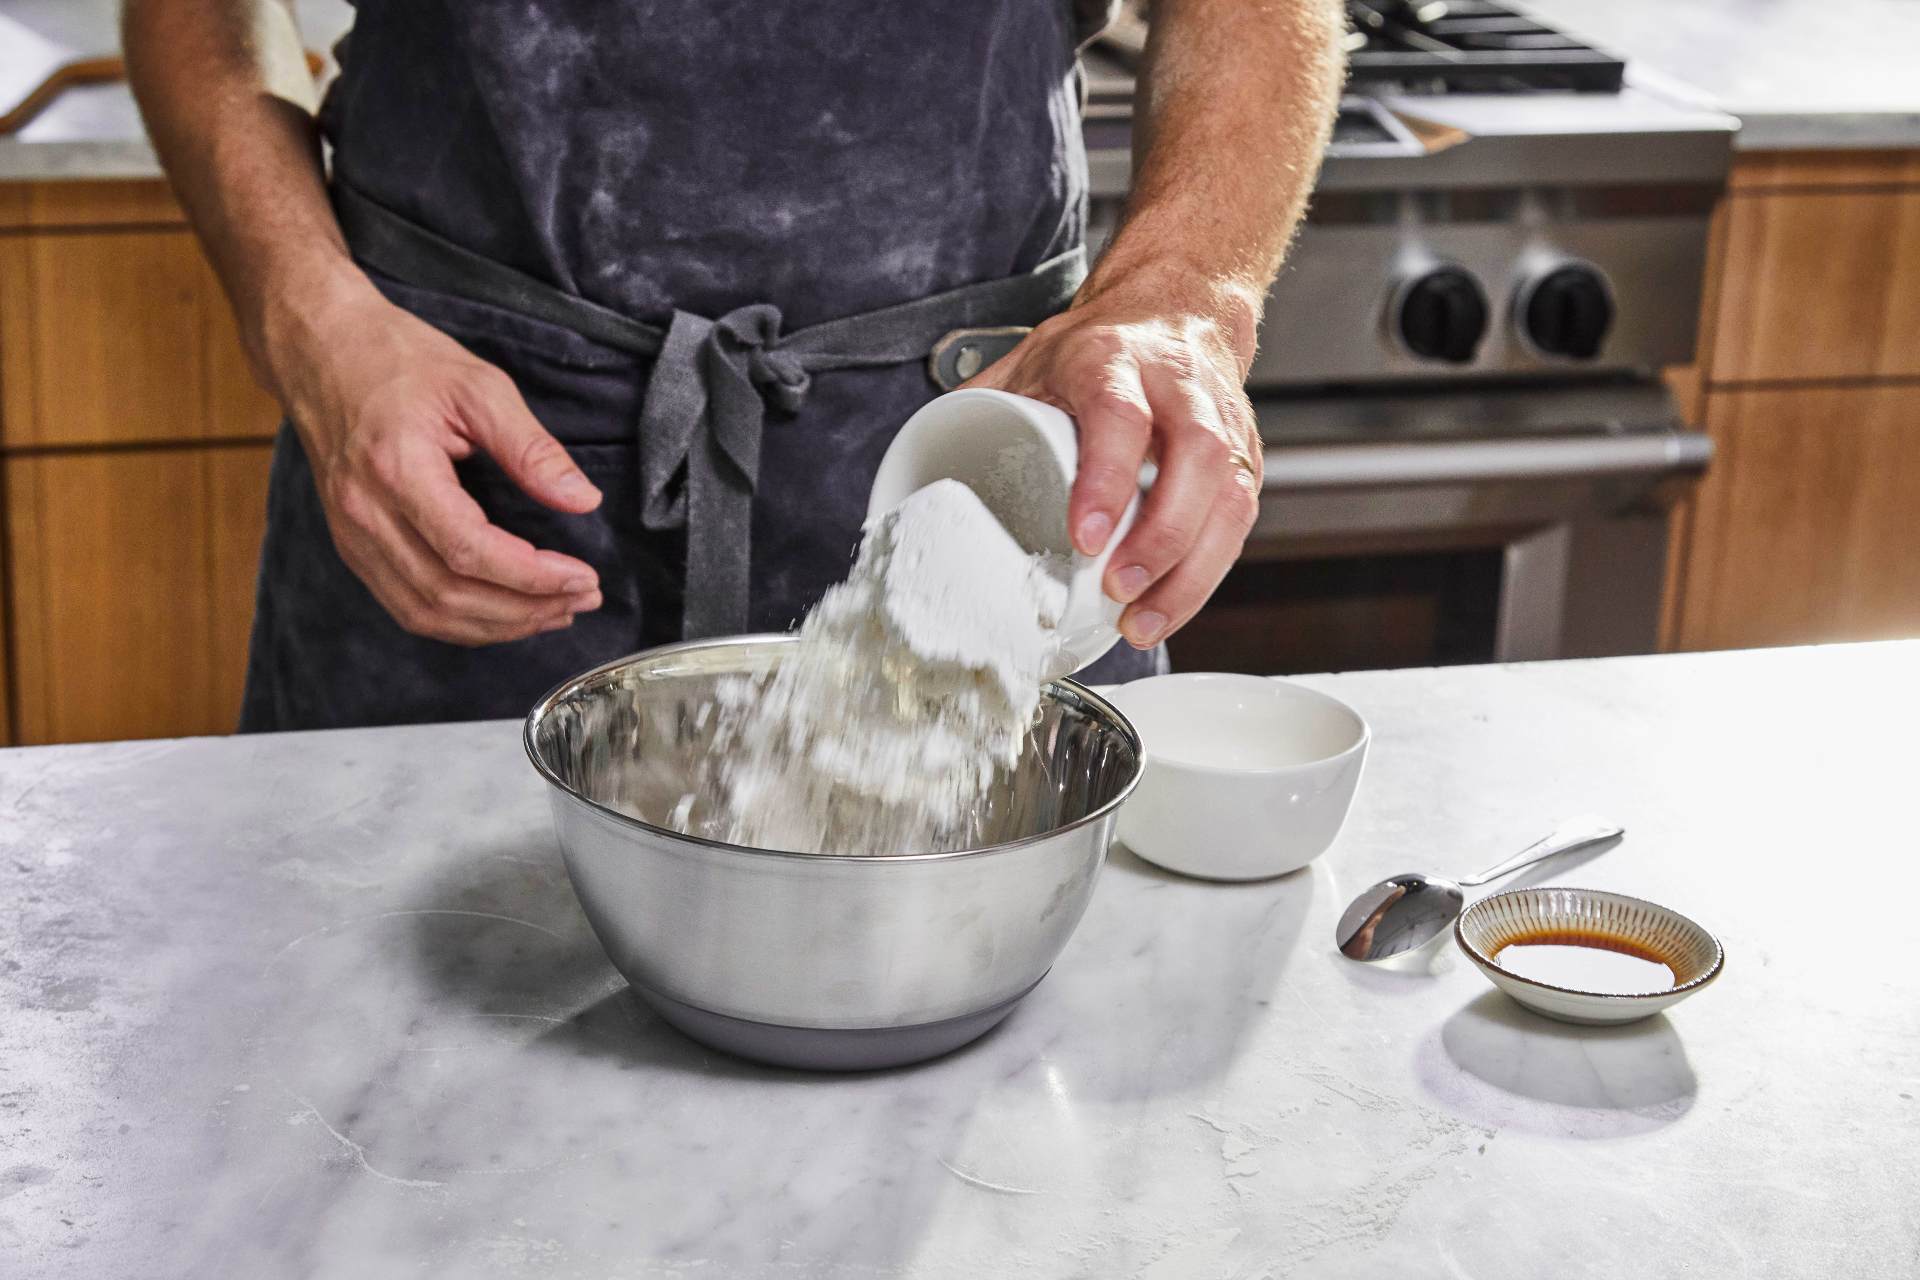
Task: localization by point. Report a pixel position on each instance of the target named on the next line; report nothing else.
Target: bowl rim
(1357, 747)
(1487, 962)
(542, 708)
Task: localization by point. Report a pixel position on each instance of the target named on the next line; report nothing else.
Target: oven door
(1414, 531)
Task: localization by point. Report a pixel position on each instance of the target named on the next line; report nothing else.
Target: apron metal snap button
(962, 353)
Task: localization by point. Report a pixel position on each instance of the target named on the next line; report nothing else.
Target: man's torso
(828, 157)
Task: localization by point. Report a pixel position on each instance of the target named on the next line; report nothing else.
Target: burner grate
(1468, 46)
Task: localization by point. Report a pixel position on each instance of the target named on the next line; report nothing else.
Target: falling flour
(911, 688)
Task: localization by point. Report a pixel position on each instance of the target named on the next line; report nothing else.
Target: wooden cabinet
(133, 463)
(1809, 381)
(131, 584)
(1822, 284)
(1806, 527)
(236, 481)
(6, 665)
(118, 335)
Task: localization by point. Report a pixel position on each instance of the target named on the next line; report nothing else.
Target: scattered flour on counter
(912, 685)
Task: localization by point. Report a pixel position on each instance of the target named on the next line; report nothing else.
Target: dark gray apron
(724, 322)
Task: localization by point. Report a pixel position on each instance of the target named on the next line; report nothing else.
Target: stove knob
(1568, 311)
(1443, 315)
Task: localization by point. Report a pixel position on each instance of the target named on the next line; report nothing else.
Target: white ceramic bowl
(1247, 777)
(1020, 456)
(1612, 920)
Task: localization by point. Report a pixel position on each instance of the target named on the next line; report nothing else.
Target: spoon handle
(1574, 833)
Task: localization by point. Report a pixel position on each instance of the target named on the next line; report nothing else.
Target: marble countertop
(1798, 73)
(323, 1005)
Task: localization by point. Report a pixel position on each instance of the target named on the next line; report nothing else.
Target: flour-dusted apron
(715, 243)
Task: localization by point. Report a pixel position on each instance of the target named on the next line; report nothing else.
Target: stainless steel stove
(1470, 453)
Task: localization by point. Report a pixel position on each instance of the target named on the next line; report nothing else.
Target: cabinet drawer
(131, 577)
(6, 664)
(118, 336)
(1819, 284)
(1803, 530)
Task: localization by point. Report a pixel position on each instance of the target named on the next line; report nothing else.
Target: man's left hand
(1147, 375)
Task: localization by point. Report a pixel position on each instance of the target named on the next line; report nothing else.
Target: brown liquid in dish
(1583, 961)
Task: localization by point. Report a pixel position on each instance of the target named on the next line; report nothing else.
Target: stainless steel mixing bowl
(816, 960)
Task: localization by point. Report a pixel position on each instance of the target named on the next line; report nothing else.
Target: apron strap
(408, 252)
(713, 379)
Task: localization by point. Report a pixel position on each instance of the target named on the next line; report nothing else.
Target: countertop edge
(78, 160)
(1760, 132)
(1763, 131)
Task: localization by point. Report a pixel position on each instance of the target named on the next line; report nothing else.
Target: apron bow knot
(753, 333)
(700, 431)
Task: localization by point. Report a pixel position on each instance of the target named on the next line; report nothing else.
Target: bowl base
(826, 1048)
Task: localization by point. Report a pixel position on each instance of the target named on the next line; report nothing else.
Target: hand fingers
(371, 565)
(1115, 426)
(485, 603)
(1196, 467)
(428, 495)
(404, 603)
(498, 421)
(428, 599)
(1176, 597)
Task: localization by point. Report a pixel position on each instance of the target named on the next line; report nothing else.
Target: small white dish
(1020, 455)
(1247, 777)
(1592, 918)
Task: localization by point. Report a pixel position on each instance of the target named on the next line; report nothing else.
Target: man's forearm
(1151, 359)
(1233, 111)
(228, 100)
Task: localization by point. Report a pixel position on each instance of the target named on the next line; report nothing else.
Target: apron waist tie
(713, 379)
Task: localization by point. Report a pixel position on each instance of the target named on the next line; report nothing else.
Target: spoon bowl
(1405, 912)
(1402, 913)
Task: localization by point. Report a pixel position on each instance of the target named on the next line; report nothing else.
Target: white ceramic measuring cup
(1020, 456)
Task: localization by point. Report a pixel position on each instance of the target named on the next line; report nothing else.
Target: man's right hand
(385, 405)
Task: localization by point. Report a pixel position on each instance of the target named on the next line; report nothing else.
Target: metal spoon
(1405, 911)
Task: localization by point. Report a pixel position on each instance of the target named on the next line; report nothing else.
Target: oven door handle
(1312, 467)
